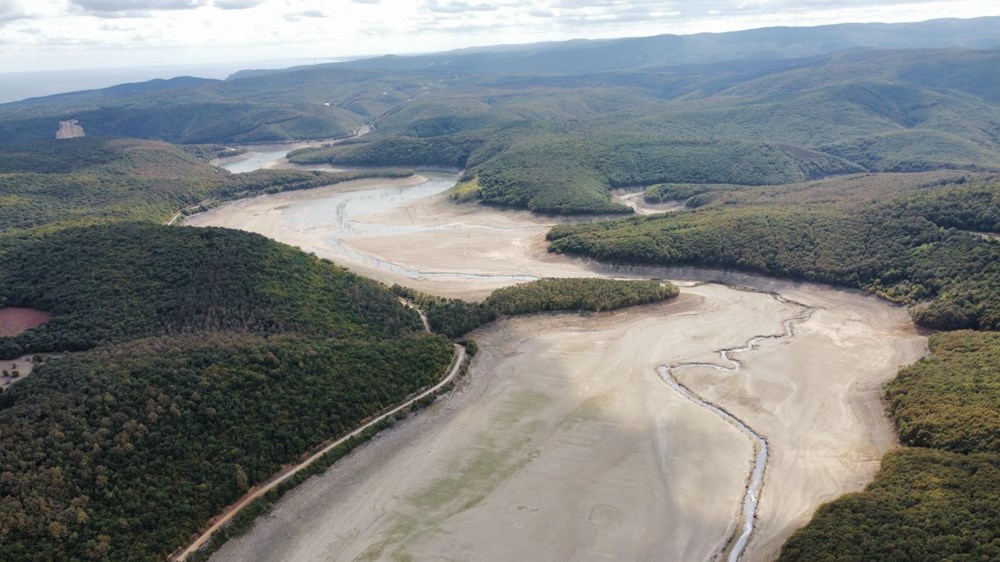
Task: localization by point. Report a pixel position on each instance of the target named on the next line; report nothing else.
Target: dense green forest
(880, 238)
(937, 503)
(687, 192)
(557, 145)
(244, 111)
(391, 151)
(571, 172)
(542, 140)
(208, 358)
(455, 317)
(125, 281)
(951, 400)
(596, 295)
(123, 453)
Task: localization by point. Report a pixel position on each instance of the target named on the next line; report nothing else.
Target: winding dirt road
(258, 491)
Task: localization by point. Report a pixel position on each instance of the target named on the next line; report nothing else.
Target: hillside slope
(189, 364)
(220, 356)
(47, 185)
(900, 240)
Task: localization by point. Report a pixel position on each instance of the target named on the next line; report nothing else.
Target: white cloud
(297, 16)
(132, 8)
(38, 33)
(236, 4)
(458, 7)
(14, 10)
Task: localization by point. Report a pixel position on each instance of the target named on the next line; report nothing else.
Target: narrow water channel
(751, 497)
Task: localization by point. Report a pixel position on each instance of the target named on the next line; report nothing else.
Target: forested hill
(580, 57)
(306, 104)
(187, 364)
(48, 185)
(557, 145)
(120, 282)
(911, 239)
(215, 357)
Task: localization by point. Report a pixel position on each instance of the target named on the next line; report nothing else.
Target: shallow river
(566, 443)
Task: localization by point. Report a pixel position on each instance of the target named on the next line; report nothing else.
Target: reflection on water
(261, 156)
(254, 159)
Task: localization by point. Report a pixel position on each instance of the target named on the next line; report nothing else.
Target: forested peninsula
(911, 240)
(456, 317)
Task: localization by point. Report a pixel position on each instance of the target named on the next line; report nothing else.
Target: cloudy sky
(61, 34)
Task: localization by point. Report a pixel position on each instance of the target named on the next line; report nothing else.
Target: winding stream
(756, 479)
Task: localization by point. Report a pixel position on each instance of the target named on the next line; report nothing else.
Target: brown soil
(22, 366)
(70, 130)
(13, 321)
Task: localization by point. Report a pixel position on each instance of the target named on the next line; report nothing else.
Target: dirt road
(260, 490)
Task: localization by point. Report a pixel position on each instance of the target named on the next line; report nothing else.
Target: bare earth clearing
(13, 321)
(635, 200)
(22, 366)
(70, 130)
(565, 444)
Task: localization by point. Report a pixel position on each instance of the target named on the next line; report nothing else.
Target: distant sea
(15, 86)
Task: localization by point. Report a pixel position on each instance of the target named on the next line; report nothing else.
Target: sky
(37, 35)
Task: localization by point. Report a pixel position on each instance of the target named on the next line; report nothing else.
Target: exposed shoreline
(258, 491)
(466, 251)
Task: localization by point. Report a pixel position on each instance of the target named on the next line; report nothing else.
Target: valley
(725, 296)
(574, 404)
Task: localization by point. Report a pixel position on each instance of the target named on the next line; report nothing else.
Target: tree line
(456, 317)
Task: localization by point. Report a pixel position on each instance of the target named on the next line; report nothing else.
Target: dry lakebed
(584, 437)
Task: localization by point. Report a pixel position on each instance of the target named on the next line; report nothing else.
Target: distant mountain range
(587, 56)
(552, 126)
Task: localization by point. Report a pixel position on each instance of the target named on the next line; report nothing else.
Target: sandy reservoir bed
(404, 231)
(565, 444)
